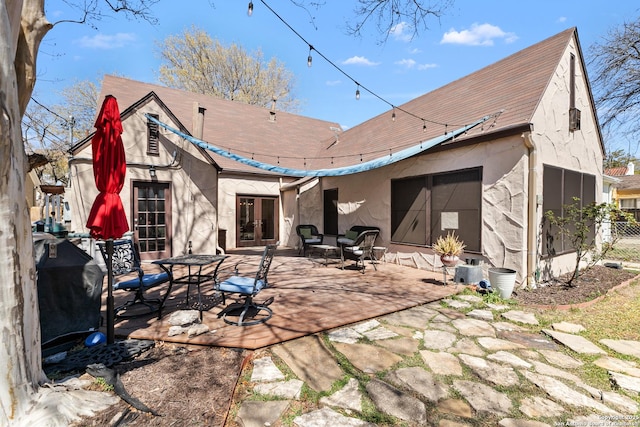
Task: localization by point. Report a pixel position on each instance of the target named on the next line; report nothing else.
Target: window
(428, 206)
(629, 203)
(560, 187)
(153, 136)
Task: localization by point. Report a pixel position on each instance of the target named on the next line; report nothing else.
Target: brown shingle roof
(513, 85)
(241, 128)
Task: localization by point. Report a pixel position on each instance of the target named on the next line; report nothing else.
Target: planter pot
(503, 280)
(449, 260)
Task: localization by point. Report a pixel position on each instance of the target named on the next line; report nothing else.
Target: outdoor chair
(360, 249)
(247, 311)
(309, 235)
(125, 262)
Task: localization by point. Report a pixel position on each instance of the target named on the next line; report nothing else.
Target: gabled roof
(514, 85)
(229, 124)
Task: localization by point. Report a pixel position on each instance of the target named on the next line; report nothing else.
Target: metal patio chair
(247, 311)
(126, 262)
(360, 250)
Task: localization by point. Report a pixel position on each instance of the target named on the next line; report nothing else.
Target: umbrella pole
(110, 307)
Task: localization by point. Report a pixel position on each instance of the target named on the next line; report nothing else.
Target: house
(538, 145)
(180, 197)
(626, 191)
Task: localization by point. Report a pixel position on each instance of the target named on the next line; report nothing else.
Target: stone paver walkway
(460, 363)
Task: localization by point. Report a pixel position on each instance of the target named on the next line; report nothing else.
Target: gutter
(532, 212)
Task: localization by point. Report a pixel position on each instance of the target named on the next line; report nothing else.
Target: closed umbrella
(107, 219)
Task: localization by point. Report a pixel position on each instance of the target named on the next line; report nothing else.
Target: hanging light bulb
(358, 93)
(393, 115)
(309, 58)
(424, 126)
(250, 9)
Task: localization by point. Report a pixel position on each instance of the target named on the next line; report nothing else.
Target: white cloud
(410, 64)
(359, 60)
(107, 41)
(426, 66)
(477, 35)
(561, 19)
(414, 51)
(401, 32)
(333, 82)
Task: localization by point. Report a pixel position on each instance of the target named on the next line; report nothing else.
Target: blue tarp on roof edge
(345, 170)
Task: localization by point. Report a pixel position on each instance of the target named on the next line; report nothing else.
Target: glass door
(257, 220)
(152, 222)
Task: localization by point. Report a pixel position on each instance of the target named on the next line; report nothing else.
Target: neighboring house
(627, 190)
(608, 188)
(490, 186)
(180, 197)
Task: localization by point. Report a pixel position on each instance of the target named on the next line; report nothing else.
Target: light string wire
(339, 171)
(357, 83)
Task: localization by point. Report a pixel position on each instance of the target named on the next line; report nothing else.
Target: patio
(307, 298)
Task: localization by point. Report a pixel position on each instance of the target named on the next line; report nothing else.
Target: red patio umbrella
(107, 219)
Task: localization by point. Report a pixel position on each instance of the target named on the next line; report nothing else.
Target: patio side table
(324, 250)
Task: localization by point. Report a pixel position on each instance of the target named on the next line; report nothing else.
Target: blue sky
(472, 34)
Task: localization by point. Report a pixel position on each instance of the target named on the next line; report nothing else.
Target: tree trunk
(20, 354)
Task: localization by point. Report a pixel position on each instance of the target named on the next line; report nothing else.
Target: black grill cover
(69, 289)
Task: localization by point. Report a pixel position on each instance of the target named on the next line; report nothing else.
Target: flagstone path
(436, 365)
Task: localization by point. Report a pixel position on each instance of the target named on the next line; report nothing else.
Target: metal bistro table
(194, 276)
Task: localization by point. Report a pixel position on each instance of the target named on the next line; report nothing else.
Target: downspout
(532, 214)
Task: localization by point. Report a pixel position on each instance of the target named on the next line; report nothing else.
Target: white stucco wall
(193, 183)
(558, 146)
(246, 185)
(365, 199)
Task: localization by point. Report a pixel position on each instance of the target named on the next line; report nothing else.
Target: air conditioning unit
(574, 119)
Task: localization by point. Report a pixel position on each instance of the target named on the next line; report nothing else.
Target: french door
(152, 219)
(257, 220)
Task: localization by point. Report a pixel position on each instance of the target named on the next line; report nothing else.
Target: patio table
(324, 250)
(194, 276)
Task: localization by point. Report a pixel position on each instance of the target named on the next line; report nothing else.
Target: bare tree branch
(616, 62)
(388, 15)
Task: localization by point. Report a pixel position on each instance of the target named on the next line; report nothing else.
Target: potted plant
(449, 248)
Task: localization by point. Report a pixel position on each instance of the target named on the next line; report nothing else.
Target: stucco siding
(557, 145)
(192, 178)
(230, 187)
(365, 199)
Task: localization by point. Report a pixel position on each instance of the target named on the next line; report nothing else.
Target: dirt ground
(194, 386)
(187, 386)
(589, 285)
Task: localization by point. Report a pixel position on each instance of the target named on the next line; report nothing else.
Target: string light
(310, 61)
